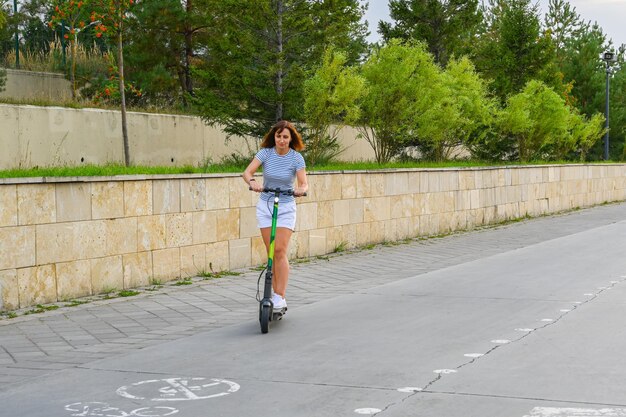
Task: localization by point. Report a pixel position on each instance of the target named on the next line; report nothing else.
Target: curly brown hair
(296, 140)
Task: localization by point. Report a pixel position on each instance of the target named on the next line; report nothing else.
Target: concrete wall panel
(57, 136)
(36, 85)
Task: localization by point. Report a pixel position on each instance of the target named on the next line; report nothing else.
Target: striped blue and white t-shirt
(279, 171)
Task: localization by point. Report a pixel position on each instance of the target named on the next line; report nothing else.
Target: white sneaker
(279, 302)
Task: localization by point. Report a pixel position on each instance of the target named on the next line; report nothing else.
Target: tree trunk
(73, 67)
(279, 61)
(180, 71)
(522, 149)
(120, 62)
(188, 50)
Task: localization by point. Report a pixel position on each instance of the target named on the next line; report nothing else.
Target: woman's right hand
(255, 186)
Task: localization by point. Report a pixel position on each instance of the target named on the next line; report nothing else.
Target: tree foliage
(587, 73)
(404, 101)
(74, 16)
(542, 126)
(584, 134)
(477, 109)
(5, 27)
(585, 68)
(166, 41)
(512, 50)
(3, 15)
(332, 98)
(31, 23)
(617, 117)
(446, 26)
(264, 50)
(564, 24)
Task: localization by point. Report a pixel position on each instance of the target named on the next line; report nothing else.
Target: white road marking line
(576, 412)
(409, 389)
(367, 410)
(445, 371)
(500, 341)
(474, 355)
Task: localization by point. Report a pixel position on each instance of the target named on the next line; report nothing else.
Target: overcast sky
(610, 15)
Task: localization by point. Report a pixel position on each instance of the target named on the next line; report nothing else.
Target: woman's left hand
(299, 192)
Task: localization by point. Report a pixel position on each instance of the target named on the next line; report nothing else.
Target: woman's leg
(280, 267)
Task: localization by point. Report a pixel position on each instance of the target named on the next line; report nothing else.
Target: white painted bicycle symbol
(100, 409)
(178, 389)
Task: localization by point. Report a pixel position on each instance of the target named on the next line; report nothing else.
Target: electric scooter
(266, 306)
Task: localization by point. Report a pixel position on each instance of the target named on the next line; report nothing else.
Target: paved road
(525, 319)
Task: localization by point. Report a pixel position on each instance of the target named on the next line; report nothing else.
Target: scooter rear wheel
(264, 318)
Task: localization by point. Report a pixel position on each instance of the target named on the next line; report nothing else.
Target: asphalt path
(535, 331)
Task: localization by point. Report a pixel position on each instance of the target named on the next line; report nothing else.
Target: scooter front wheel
(264, 318)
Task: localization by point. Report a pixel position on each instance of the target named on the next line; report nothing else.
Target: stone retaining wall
(64, 238)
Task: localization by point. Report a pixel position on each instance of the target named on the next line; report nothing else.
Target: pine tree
(262, 52)
(446, 26)
(564, 24)
(166, 41)
(512, 49)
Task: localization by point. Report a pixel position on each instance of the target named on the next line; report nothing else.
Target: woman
(282, 164)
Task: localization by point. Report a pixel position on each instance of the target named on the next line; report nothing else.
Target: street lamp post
(609, 58)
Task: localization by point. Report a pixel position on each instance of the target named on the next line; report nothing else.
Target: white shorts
(286, 214)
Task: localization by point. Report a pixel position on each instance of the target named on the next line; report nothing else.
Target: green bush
(331, 98)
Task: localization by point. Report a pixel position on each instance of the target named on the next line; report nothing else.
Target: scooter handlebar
(279, 191)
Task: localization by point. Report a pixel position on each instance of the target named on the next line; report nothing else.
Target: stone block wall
(64, 238)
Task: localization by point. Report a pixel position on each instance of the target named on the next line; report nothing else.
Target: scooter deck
(278, 314)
